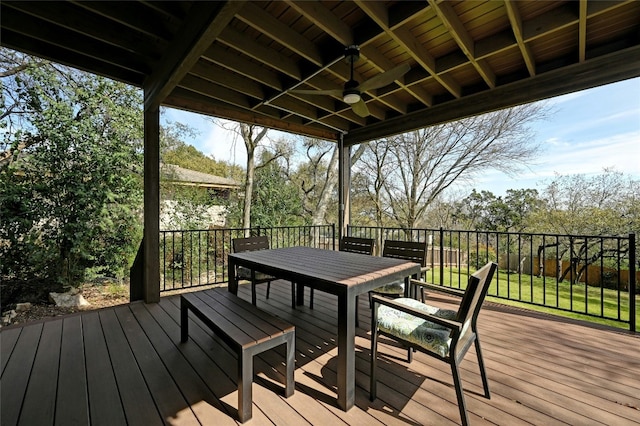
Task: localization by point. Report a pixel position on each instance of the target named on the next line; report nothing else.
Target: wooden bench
(245, 329)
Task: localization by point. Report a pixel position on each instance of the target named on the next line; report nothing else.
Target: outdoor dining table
(343, 274)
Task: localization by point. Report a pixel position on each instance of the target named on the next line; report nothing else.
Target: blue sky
(589, 130)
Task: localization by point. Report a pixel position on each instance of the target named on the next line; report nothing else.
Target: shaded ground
(99, 295)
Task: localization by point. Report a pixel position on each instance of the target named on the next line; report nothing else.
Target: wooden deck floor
(126, 365)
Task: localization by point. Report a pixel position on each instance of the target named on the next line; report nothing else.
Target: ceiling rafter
(516, 23)
(582, 31)
(459, 33)
(402, 35)
(464, 58)
(325, 19)
(17, 21)
(238, 64)
(249, 47)
(190, 101)
(201, 27)
(216, 74)
(259, 19)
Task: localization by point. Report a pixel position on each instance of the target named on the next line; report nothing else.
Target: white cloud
(223, 145)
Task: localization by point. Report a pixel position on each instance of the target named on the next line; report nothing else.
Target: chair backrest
(250, 244)
(475, 293)
(406, 250)
(357, 245)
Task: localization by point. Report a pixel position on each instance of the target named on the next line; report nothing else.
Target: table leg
(300, 294)
(346, 351)
(233, 283)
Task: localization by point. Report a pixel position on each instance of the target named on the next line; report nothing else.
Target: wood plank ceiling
(243, 60)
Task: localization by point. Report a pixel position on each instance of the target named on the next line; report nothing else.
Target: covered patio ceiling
(243, 60)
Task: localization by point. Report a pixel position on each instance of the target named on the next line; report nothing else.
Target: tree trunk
(250, 143)
(331, 183)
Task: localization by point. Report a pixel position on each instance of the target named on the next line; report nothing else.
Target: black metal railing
(192, 258)
(588, 275)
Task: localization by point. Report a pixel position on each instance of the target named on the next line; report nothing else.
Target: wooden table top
(327, 266)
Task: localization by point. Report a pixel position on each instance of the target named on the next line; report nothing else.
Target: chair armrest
(453, 325)
(436, 287)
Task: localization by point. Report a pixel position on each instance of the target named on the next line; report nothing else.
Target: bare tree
(413, 169)
(253, 136)
(14, 82)
(318, 177)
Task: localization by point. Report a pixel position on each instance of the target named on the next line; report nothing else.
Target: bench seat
(246, 329)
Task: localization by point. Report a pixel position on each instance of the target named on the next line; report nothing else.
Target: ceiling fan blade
(385, 78)
(360, 108)
(331, 92)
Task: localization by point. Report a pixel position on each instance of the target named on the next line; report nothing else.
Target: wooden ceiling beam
(17, 21)
(605, 69)
(68, 57)
(403, 36)
(217, 74)
(133, 15)
(83, 21)
(324, 19)
(189, 101)
(201, 27)
(259, 19)
(238, 64)
(582, 31)
(459, 33)
(516, 24)
(248, 46)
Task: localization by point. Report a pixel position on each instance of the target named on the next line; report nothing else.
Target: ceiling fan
(352, 91)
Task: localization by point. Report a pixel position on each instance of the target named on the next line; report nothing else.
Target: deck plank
(542, 370)
(17, 372)
(170, 402)
(139, 406)
(40, 397)
(104, 399)
(72, 399)
(8, 340)
(275, 407)
(206, 406)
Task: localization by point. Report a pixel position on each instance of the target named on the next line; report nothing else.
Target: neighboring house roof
(182, 176)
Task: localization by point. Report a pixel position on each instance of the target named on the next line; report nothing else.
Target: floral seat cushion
(416, 330)
(393, 288)
(245, 274)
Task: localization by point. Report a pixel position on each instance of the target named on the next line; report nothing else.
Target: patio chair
(443, 334)
(406, 250)
(242, 273)
(352, 245)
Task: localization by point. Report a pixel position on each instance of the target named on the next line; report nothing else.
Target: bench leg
(245, 381)
(290, 361)
(184, 321)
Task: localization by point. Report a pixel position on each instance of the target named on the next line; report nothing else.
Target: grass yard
(546, 294)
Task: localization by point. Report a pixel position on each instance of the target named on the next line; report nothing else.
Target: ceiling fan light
(351, 97)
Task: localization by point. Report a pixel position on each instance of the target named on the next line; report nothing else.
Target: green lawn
(558, 298)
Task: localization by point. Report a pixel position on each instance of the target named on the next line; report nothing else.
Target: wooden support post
(151, 239)
(344, 187)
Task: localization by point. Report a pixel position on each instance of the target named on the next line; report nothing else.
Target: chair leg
(268, 288)
(374, 355)
(483, 373)
(311, 298)
(357, 322)
(459, 393)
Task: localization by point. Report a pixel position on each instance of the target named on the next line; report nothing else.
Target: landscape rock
(23, 307)
(72, 299)
(8, 317)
